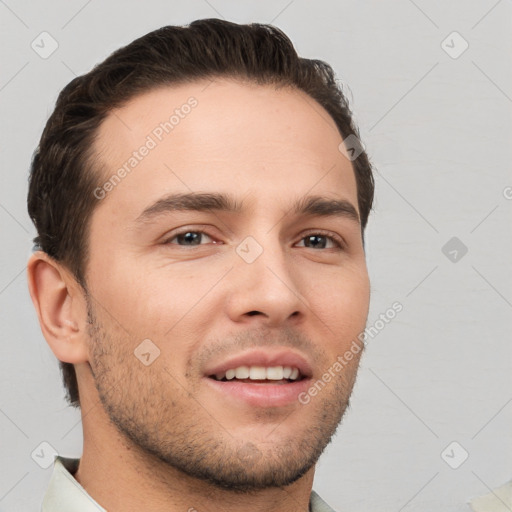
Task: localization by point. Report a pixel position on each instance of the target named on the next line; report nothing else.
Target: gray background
(438, 131)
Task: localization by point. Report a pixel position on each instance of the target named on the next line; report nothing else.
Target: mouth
(260, 374)
(261, 379)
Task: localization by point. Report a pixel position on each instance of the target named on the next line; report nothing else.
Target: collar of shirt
(65, 494)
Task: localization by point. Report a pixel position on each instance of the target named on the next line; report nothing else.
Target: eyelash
(336, 240)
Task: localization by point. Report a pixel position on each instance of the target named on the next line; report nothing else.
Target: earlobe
(60, 307)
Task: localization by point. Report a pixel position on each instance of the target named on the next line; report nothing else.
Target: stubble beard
(154, 414)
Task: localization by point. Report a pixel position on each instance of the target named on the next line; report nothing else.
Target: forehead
(219, 135)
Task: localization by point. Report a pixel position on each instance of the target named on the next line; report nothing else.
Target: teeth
(257, 373)
(275, 373)
(260, 373)
(287, 371)
(242, 372)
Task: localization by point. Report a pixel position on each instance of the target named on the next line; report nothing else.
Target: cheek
(170, 297)
(133, 292)
(168, 305)
(342, 302)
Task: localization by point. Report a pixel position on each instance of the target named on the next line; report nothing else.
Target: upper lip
(259, 357)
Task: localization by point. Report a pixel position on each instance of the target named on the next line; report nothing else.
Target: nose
(266, 289)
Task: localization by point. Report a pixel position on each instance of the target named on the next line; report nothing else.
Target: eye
(192, 238)
(319, 240)
(188, 238)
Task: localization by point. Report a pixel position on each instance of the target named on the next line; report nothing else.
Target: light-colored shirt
(65, 494)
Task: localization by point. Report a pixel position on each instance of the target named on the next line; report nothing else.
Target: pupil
(191, 236)
(314, 237)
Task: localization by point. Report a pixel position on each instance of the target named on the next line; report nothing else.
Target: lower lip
(261, 394)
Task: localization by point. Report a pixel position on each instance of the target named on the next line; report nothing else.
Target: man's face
(236, 292)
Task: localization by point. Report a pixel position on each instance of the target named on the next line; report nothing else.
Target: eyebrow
(220, 202)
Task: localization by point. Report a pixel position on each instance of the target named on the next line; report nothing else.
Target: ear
(60, 306)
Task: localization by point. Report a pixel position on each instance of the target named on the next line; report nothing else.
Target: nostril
(252, 313)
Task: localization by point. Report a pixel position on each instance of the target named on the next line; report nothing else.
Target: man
(201, 274)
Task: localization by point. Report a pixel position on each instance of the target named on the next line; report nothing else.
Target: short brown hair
(63, 175)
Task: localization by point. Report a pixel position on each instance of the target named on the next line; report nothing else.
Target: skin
(157, 437)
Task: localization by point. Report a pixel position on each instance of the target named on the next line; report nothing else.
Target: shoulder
(317, 504)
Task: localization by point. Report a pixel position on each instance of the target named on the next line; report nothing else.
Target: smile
(259, 374)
